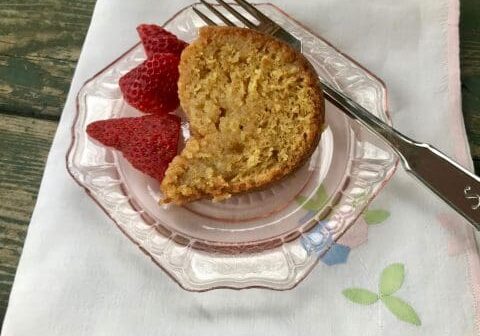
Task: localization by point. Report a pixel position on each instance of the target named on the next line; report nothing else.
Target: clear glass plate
(271, 238)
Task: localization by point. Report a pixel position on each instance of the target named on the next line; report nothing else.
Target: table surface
(39, 46)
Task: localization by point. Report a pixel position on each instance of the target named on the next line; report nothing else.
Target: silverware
(454, 184)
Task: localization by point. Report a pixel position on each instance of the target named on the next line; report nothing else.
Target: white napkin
(79, 275)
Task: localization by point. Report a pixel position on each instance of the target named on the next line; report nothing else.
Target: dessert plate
(270, 238)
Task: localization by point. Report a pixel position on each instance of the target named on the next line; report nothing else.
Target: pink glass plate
(271, 238)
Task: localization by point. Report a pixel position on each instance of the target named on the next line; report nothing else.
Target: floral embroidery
(356, 235)
(460, 235)
(317, 241)
(376, 216)
(391, 280)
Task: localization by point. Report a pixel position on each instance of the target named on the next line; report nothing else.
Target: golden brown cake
(255, 109)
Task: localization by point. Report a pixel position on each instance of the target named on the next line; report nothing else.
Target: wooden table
(39, 46)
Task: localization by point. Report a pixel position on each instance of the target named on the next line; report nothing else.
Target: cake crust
(255, 110)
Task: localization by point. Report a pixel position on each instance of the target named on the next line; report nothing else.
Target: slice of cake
(255, 109)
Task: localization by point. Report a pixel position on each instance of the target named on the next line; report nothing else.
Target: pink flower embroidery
(356, 235)
(461, 238)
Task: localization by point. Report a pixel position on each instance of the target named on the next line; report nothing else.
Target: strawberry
(149, 142)
(156, 40)
(152, 86)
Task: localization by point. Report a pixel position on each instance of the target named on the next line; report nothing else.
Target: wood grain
(470, 70)
(39, 45)
(24, 144)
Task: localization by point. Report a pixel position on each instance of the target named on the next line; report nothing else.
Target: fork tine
(254, 11)
(217, 13)
(204, 17)
(239, 16)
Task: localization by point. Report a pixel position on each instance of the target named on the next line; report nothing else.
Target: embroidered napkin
(410, 267)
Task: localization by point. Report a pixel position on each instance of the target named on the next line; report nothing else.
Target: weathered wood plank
(34, 86)
(24, 144)
(470, 70)
(470, 52)
(39, 46)
(470, 37)
(471, 111)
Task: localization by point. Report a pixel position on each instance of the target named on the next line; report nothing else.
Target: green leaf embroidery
(377, 216)
(316, 202)
(360, 295)
(402, 310)
(391, 279)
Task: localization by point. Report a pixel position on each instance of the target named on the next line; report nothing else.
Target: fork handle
(454, 184)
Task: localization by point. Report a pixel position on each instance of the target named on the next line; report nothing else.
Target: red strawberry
(155, 40)
(149, 142)
(149, 30)
(152, 86)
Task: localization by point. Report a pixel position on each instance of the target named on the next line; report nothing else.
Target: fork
(454, 184)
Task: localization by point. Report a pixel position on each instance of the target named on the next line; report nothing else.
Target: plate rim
(73, 173)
